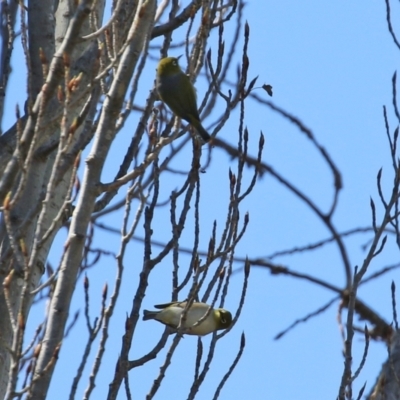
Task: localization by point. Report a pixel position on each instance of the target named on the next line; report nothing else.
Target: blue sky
(330, 65)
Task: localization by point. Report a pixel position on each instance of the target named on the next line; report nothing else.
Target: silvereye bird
(170, 315)
(178, 93)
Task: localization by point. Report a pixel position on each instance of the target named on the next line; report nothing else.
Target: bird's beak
(179, 57)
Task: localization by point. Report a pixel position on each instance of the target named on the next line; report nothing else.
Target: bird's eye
(175, 63)
(223, 320)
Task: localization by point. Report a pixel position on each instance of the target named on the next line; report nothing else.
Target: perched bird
(170, 315)
(178, 93)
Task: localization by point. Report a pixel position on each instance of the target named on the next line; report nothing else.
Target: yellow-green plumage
(178, 93)
(170, 315)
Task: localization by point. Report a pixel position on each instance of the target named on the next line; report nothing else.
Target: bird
(170, 315)
(178, 93)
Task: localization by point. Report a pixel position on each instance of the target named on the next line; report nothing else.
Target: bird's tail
(149, 315)
(200, 130)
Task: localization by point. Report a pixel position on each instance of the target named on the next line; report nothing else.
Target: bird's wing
(184, 103)
(191, 100)
(180, 304)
